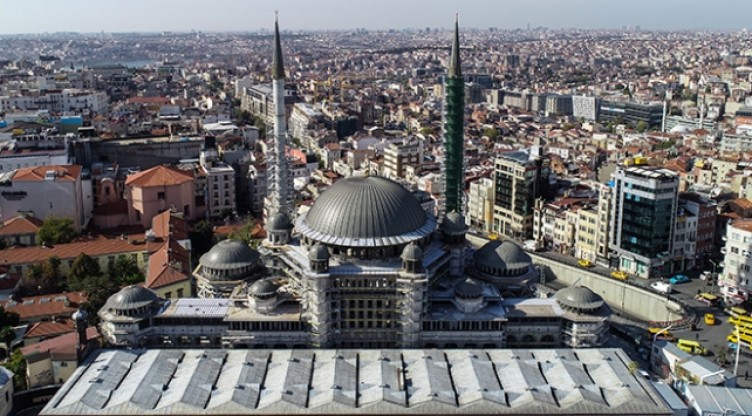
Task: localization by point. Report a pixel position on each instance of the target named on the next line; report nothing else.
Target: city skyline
(233, 15)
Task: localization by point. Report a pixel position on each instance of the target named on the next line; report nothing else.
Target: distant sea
(129, 64)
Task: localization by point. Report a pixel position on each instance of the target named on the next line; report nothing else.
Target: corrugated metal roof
(187, 382)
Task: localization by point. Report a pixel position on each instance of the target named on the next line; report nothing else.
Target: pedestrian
(697, 336)
(746, 374)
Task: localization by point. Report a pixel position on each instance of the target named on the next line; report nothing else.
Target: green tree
(491, 133)
(84, 267)
(43, 278)
(98, 289)
(427, 131)
(56, 230)
(124, 270)
(641, 126)
(17, 364)
(202, 239)
(244, 233)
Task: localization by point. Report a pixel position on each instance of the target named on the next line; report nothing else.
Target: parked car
(661, 287)
(531, 245)
(706, 275)
(709, 319)
(708, 299)
(679, 278)
(619, 275)
(585, 263)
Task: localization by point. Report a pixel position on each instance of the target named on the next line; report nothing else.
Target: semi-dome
(579, 298)
(366, 212)
(229, 255)
(278, 222)
(131, 297)
(412, 252)
(263, 289)
(318, 252)
(501, 255)
(453, 224)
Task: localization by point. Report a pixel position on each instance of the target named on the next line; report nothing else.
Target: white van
(531, 245)
(661, 287)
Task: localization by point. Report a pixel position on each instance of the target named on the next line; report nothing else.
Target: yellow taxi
(585, 263)
(709, 319)
(619, 275)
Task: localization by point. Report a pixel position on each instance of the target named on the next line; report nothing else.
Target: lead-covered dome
(278, 222)
(366, 212)
(131, 297)
(578, 298)
(502, 258)
(228, 255)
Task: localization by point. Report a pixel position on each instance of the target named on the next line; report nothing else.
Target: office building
(629, 112)
(587, 108)
(643, 219)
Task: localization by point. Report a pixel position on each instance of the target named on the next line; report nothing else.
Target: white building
(735, 280)
(480, 205)
(43, 191)
(398, 155)
(585, 107)
(6, 391)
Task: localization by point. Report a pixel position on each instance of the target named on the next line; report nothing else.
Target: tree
(84, 267)
(56, 230)
(641, 126)
(98, 289)
(491, 133)
(42, 278)
(8, 320)
(202, 239)
(17, 364)
(124, 270)
(244, 234)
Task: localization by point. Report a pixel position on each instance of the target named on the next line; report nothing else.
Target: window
(168, 295)
(180, 293)
(160, 195)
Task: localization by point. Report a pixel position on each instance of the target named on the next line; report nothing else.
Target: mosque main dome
(366, 212)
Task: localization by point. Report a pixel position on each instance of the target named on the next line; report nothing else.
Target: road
(712, 337)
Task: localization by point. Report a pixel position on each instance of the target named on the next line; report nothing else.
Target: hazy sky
(33, 16)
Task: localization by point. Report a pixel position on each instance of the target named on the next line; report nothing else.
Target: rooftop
(275, 382)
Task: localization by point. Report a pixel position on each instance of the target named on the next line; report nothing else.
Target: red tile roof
(35, 308)
(159, 176)
(37, 174)
(94, 248)
(47, 329)
(21, 225)
(62, 347)
(167, 266)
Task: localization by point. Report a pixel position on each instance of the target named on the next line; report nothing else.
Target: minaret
(454, 113)
(279, 195)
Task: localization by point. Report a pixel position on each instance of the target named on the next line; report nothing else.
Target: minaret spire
(278, 67)
(279, 186)
(454, 117)
(455, 66)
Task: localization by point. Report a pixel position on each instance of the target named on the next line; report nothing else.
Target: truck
(661, 287)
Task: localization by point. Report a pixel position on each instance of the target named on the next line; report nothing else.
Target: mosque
(365, 267)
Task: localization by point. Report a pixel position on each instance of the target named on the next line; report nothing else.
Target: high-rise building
(643, 216)
(586, 107)
(519, 178)
(279, 188)
(454, 113)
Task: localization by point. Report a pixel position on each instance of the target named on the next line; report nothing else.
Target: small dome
(453, 224)
(80, 315)
(469, 289)
(318, 252)
(263, 289)
(278, 222)
(131, 297)
(578, 297)
(229, 255)
(412, 252)
(502, 255)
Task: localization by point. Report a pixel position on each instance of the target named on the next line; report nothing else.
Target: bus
(735, 311)
(692, 347)
(742, 320)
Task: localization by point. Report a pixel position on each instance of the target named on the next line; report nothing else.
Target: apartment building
(159, 189)
(519, 178)
(399, 155)
(736, 279)
(480, 204)
(219, 194)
